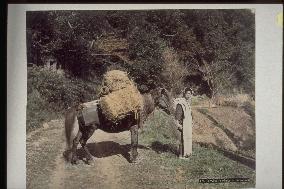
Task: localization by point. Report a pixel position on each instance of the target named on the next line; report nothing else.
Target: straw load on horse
(119, 96)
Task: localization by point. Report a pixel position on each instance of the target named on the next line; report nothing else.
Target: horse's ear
(164, 91)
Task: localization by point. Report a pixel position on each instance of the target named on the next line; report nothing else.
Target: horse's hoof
(133, 159)
(74, 160)
(68, 156)
(90, 162)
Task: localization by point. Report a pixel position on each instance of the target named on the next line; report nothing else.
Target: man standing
(184, 122)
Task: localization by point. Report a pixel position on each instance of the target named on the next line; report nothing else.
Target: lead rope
(136, 116)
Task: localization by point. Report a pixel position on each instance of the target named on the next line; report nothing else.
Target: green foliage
(226, 48)
(211, 51)
(145, 47)
(50, 93)
(217, 45)
(58, 89)
(158, 134)
(38, 111)
(161, 128)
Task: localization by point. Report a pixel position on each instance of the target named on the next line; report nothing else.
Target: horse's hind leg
(134, 143)
(74, 147)
(86, 135)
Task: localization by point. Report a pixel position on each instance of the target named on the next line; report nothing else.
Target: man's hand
(80, 107)
(179, 126)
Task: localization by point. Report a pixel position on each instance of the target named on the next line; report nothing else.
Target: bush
(38, 111)
(50, 93)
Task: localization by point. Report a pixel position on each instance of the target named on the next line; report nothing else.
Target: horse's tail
(71, 125)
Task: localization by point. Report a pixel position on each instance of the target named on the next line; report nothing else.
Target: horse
(132, 122)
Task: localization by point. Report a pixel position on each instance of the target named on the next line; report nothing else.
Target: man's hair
(187, 89)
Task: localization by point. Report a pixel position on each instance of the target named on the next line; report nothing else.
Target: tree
(221, 37)
(174, 71)
(216, 46)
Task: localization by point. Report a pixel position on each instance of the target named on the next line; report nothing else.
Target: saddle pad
(89, 114)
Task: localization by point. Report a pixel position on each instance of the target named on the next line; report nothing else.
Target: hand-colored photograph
(140, 99)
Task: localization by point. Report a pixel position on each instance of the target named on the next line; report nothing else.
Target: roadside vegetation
(164, 169)
(50, 94)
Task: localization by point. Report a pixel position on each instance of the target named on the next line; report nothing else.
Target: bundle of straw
(115, 80)
(123, 97)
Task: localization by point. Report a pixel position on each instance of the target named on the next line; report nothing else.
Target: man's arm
(179, 116)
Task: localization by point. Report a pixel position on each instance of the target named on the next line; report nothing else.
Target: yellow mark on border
(279, 19)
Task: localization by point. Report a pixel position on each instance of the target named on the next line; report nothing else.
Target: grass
(159, 128)
(249, 108)
(196, 100)
(237, 100)
(249, 152)
(39, 111)
(163, 169)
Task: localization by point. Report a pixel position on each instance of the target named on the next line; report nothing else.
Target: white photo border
(268, 69)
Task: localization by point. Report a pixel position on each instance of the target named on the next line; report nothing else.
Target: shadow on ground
(247, 161)
(106, 149)
(159, 147)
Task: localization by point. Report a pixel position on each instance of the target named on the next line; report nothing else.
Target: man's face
(187, 95)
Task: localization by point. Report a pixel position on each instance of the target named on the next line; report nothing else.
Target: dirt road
(48, 169)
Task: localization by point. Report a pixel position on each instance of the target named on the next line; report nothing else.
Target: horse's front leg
(87, 134)
(134, 143)
(74, 147)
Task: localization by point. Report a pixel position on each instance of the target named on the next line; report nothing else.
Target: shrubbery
(210, 49)
(50, 93)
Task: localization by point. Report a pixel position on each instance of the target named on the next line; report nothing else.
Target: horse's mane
(148, 104)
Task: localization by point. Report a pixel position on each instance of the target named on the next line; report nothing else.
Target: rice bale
(115, 80)
(117, 104)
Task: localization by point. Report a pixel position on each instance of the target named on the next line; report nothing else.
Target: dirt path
(108, 166)
(46, 166)
(155, 168)
(58, 175)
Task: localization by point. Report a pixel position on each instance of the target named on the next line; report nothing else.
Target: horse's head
(164, 101)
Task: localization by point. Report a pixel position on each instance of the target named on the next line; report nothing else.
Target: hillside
(215, 48)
